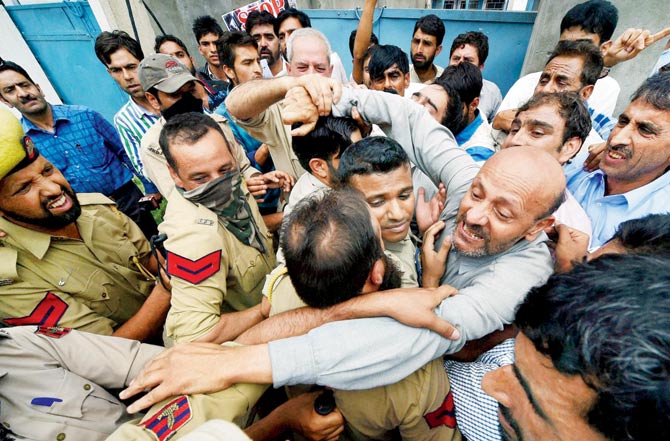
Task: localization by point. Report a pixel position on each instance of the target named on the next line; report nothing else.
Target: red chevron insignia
(443, 415)
(47, 313)
(193, 271)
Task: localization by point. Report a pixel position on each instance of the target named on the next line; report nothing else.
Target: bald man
(496, 217)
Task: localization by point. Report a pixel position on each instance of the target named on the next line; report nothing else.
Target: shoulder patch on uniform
(94, 199)
(169, 419)
(193, 271)
(203, 221)
(445, 415)
(47, 313)
(53, 331)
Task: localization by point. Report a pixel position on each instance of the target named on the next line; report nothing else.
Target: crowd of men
(411, 255)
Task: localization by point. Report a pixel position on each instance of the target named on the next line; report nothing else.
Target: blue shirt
(607, 212)
(602, 123)
(477, 152)
(84, 147)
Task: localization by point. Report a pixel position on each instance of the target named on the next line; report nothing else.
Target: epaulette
(94, 199)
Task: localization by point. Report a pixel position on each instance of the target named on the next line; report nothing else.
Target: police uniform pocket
(94, 290)
(69, 399)
(251, 267)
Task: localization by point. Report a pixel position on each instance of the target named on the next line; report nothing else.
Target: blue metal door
(62, 37)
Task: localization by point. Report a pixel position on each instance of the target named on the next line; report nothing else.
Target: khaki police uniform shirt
(420, 406)
(155, 164)
(404, 251)
(53, 380)
(92, 284)
(268, 128)
(211, 271)
(177, 416)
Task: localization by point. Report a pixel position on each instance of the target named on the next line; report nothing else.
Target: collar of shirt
(36, 242)
(60, 113)
(633, 197)
(141, 110)
(469, 130)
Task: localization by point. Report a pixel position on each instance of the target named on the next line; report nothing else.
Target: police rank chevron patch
(169, 419)
(445, 415)
(193, 271)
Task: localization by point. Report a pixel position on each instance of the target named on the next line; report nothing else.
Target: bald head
(512, 198)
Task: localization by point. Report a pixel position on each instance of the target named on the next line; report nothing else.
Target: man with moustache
(66, 259)
(426, 45)
(260, 25)
(495, 215)
(389, 69)
(79, 141)
(633, 179)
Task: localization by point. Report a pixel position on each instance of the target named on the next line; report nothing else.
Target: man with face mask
(218, 249)
(172, 90)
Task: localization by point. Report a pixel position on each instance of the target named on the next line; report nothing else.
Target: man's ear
(481, 67)
(569, 149)
(153, 102)
(406, 80)
(376, 276)
(319, 167)
(539, 226)
(586, 92)
(175, 177)
(229, 72)
(438, 50)
(473, 106)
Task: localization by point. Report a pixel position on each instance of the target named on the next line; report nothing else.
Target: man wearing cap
(66, 259)
(171, 89)
(79, 141)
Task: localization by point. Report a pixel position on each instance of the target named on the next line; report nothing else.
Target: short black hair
(10, 65)
(303, 18)
(590, 54)
(453, 117)
(186, 127)
(259, 18)
(227, 44)
(330, 138)
(383, 57)
(160, 39)
(570, 107)
(647, 235)
(594, 16)
(330, 247)
(352, 38)
(608, 321)
(432, 25)
(206, 24)
(466, 78)
(108, 43)
(375, 154)
(655, 90)
(478, 40)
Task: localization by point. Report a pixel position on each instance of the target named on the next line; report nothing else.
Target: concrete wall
(649, 14)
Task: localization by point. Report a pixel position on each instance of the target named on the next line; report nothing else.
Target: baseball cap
(163, 72)
(16, 150)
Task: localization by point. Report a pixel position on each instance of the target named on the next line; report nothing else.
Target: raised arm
(362, 40)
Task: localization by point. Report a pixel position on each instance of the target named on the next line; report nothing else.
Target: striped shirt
(132, 122)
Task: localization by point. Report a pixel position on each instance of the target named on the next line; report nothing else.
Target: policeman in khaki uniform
(69, 260)
(218, 248)
(52, 382)
(420, 406)
(163, 75)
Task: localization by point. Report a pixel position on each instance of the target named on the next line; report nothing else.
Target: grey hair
(306, 32)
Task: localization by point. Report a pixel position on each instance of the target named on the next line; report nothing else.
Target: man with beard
(260, 25)
(426, 45)
(80, 142)
(69, 260)
(495, 214)
(171, 90)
